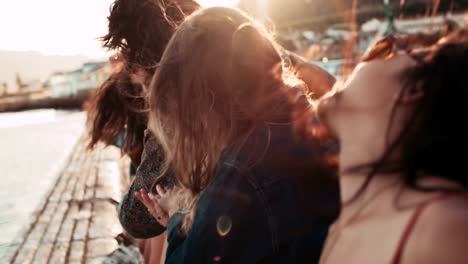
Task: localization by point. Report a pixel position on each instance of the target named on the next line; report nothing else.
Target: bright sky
(59, 27)
(54, 27)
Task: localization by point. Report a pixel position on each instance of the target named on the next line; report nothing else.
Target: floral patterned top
(133, 215)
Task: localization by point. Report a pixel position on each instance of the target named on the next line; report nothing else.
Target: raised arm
(317, 79)
(133, 215)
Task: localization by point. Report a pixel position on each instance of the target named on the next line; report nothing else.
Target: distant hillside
(33, 65)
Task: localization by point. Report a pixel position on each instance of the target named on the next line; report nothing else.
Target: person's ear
(412, 95)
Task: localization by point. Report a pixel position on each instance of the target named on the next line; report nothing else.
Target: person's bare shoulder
(441, 233)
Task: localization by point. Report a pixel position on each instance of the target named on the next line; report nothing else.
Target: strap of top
(412, 223)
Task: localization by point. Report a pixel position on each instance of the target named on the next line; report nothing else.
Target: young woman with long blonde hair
(250, 191)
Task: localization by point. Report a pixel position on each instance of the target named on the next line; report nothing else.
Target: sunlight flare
(210, 3)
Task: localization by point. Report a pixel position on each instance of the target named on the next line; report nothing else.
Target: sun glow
(210, 3)
(54, 27)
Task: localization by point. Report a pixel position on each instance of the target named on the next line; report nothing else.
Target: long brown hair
(219, 77)
(139, 30)
(119, 104)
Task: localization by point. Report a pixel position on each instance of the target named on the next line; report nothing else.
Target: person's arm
(133, 215)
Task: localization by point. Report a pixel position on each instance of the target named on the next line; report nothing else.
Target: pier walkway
(77, 220)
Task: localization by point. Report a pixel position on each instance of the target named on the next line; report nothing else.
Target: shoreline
(77, 220)
(42, 100)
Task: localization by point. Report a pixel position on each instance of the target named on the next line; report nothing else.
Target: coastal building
(68, 84)
(336, 48)
(3, 88)
(416, 25)
(59, 85)
(93, 75)
(34, 86)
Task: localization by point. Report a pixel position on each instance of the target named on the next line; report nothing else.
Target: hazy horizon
(40, 37)
(54, 27)
(57, 27)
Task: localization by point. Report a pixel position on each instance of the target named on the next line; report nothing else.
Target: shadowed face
(363, 104)
(369, 92)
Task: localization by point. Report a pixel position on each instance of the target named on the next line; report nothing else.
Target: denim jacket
(270, 203)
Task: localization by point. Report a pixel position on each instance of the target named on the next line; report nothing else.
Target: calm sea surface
(34, 146)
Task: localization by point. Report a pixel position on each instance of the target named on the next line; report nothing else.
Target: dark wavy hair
(139, 31)
(119, 105)
(435, 133)
(433, 139)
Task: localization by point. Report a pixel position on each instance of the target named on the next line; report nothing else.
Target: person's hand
(318, 80)
(157, 204)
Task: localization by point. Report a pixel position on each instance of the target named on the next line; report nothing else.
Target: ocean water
(34, 146)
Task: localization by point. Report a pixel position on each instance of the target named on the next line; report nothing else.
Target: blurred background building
(334, 33)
